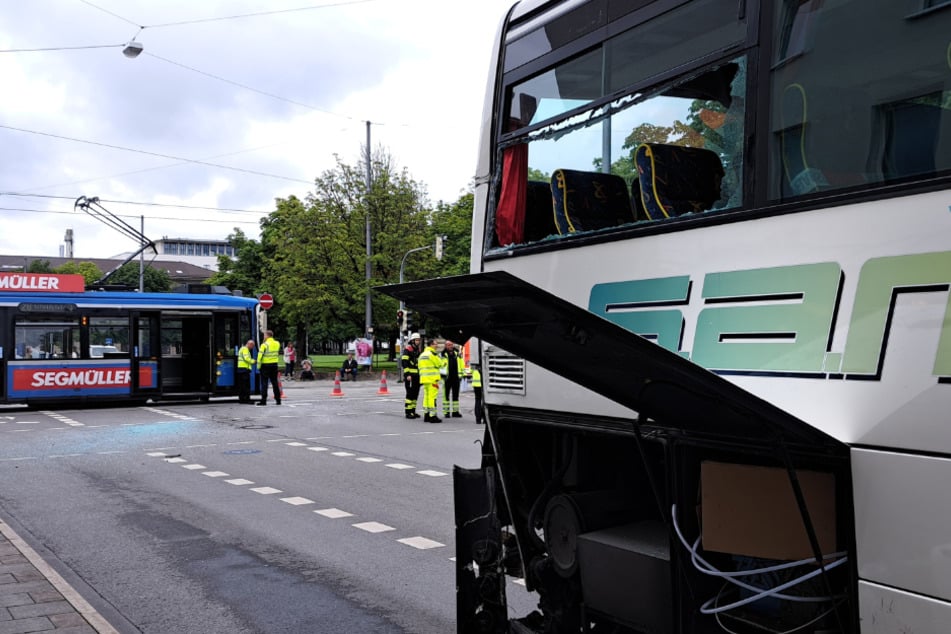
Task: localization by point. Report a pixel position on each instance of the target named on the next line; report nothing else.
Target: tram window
(109, 334)
(847, 112)
(46, 339)
(172, 338)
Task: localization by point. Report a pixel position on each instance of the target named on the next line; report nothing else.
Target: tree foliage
(88, 270)
(154, 280)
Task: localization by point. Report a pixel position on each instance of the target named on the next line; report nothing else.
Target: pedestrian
(477, 390)
(429, 364)
(452, 373)
(267, 365)
(307, 370)
(290, 356)
(410, 365)
(349, 367)
(245, 363)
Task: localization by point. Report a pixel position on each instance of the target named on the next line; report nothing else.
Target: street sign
(266, 300)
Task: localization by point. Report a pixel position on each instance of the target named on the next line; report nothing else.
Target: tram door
(227, 342)
(197, 359)
(146, 345)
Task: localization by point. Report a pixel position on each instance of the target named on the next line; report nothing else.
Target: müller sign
(42, 282)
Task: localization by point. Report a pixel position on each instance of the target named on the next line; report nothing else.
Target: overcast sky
(416, 69)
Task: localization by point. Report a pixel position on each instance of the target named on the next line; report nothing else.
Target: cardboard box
(752, 511)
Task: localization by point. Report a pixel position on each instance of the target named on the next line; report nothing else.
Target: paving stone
(7, 578)
(5, 615)
(15, 568)
(44, 596)
(13, 559)
(32, 574)
(71, 619)
(41, 609)
(12, 600)
(23, 626)
(80, 629)
(7, 549)
(29, 586)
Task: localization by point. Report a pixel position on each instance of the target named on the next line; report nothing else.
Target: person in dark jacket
(410, 367)
(349, 368)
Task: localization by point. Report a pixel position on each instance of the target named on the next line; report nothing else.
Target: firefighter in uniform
(429, 363)
(267, 365)
(452, 372)
(245, 363)
(408, 361)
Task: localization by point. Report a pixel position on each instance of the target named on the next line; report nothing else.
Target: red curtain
(510, 214)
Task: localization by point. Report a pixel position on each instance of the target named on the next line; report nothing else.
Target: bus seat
(539, 219)
(585, 201)
(676, 179)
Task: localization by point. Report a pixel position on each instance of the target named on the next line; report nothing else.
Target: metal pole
(369, 303)
(142, 259)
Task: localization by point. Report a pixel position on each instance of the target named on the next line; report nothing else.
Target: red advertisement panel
(42, 282)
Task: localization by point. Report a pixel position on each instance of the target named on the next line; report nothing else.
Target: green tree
(244, 272)
(154, 280)
(88, 270)
(39, 266)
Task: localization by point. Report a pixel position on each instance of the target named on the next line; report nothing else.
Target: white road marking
(317, 449)
(342, 454)
(266, 490)
(431, 473)
(239, 481)
(28, 422)
(242, 442)
(194, 467)
(297, 501)
(420, 543)
(357, 436)
(398, 465)
(373, 527)
(297, 444)
(194, 446)
(215, 474)
(175, 460)
(156, 454)
(370, 459)
(333, 513)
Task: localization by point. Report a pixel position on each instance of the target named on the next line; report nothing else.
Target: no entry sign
(266, 300)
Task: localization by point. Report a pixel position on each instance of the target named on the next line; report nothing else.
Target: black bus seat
(586, 201)
(674, 180)
(539, 212)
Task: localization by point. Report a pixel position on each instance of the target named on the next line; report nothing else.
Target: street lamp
(132, 49)
(437, 250)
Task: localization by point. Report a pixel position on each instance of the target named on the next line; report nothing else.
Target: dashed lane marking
(333, 513)
(373, 527)
(400, 466)
(266, 490)
(317, 449)
(239, 481)
(194, 467)
(342, 454)
(420, 543)
(297, 501)
(214, 474)
(431, 473)
(175, 460)
(368, 459)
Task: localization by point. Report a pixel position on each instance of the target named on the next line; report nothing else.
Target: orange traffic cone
(280, 384)
(383, 389)
(337, 391)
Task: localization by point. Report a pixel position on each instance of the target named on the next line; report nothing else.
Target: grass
(332, 362)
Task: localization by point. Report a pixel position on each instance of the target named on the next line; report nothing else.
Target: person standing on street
(245, 363)
(477, 390)
(453, 371)
(409, 364)
(267, 364)
(290, 357)
(429, 364)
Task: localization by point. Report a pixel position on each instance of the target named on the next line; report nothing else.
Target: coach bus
(61, 343)
(711, 259)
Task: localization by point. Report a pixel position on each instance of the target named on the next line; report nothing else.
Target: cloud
(416, 69)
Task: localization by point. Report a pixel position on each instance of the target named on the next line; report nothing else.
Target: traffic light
(401, 321)
(408, 322)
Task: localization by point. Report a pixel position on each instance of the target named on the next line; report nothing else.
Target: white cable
(711, 570)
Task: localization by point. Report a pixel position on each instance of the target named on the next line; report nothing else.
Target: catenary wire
(147, 153)
(135, 202)
(58, 211)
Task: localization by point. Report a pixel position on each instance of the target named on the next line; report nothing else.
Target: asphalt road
(326, 514)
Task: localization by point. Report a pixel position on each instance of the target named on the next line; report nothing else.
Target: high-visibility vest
(270, 352)
(245, 360)
(476, 378)
(429, 364)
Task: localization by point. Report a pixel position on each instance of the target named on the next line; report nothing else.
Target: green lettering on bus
(786, 332)
(611, 299)
(879, 281)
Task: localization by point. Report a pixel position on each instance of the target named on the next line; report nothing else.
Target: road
(325, 514)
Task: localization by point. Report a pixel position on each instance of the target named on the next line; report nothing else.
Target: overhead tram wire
(203, 220)
(134, 202)
(157, 154)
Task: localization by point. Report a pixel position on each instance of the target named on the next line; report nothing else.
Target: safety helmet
(415, 335)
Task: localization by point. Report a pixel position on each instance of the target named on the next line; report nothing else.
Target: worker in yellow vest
(267, 365)
(245, 365)
(429, 363)
(477, 390)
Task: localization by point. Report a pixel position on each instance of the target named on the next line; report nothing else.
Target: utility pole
(369, 304)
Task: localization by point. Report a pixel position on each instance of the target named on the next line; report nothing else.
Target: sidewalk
(35, 598)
